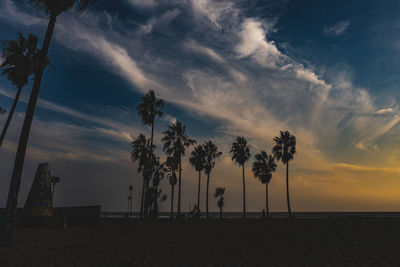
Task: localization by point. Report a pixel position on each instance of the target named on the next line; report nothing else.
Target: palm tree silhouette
(171, 166)
(175, 141)
(241, 154)
(148, 110)
(197, 160)
(53, 8)
(141, 151)
(263, 168)
(212, 153)
(158, 175)
(284, 150)
(219, 192)
(20, 58)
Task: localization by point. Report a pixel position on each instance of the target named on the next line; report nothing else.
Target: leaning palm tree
(140, 151)
(149, 109)
(240, 155)
(175, 142)
(263, 168)
(19, 62)
(219, 192)
(197, 160)
(212, 153)
(284, 150)
(53, 8)
(171, 167)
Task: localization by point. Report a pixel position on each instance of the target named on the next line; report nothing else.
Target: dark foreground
(277, 242)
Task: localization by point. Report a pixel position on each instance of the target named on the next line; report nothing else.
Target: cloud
(337, 29)
(143, 3)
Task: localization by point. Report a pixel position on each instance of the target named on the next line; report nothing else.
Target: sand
(276, 242)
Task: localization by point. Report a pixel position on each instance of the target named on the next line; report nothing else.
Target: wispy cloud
(338, 28)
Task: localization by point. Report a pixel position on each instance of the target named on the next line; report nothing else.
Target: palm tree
(219, 192)
(175, 141)
(263, 168)
(53, 8)
(212, 153)
(171, 166)
(149, 109)
(158, 175)
(197, 160)
(140, 151)
(240, 155)
(284, 149)
(19, 62)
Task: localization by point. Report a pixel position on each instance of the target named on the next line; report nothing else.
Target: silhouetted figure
(240, 155)
(212, 153)
(53, 9)
(175, 141)
(284, 149)
(197, 160)
(219, 192)
(263, 168)
(19, 63)
(148, 110)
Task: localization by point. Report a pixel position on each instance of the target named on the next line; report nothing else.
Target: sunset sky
(327, 71)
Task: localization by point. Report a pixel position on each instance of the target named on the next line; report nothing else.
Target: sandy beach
(276, 242)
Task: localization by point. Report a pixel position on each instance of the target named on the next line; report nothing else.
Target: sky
(327, 71)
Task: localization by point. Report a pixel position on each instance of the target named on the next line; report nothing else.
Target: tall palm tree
(175, 142)
(158, 175)
(171, 166)
(284, 150)
(140, 152)
(219, 192)
(263, 168)
(240, 155)
(149, 109)
(212, 153)
(53, 8)
(197, 160)
(20, 57)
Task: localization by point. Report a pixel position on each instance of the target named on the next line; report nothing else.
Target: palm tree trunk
(179, 186)
(220, 212)
(172, 202)
(198, 193)
(4, 131)
(12, 200)
(152, 134)
(266, 199)
(208, 184)
(244, 196)
(146, 199)
(287, 189)
(142, 200)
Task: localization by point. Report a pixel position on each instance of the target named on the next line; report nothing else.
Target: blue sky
(328, 71)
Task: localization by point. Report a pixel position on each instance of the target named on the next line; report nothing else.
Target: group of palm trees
(22, 60)
(203, 157)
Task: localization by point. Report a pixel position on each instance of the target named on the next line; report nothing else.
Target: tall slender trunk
(12, 200)
(142, 200)
(244, 196)
(179, 186)
(146, 199)
(10, 115)
(266, 198)
(287, 189)
(198, 193)
(220, 212)
(172, 201)
(152, 134)
(208, 184)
